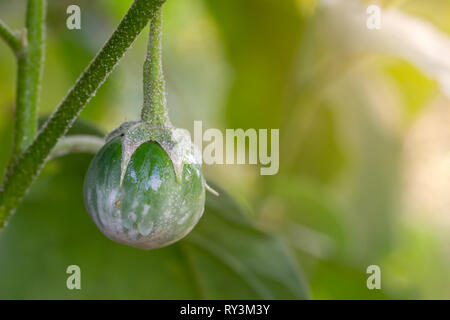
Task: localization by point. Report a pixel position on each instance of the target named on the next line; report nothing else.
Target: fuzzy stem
(77, 143)
(154, 110)
(11, 38)
(29, 75)
(24, 170)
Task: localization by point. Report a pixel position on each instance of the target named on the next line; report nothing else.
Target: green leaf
(260, 264)
(224, 257)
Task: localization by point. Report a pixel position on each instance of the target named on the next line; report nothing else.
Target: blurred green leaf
(224, 257)
(334, 280)
(263, 267)
(261, 38)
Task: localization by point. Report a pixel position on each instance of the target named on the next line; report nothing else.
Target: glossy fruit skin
(151, 209)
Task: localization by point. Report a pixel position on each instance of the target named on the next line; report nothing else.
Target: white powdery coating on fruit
(114, 219)
(184, 218)
(109, 214)
(145, 228)
(100, 211)
(145, 210)
(138, 230)
(154, 181)
(132, 216)
(145, 225)
(147, 236)
(133, 234)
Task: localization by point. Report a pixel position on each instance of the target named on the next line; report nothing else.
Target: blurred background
(364, 173)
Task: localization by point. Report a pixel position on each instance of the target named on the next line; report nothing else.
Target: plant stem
(77, 143)
(154, 110)
(22, 172)
(11, 39)
(29, 75)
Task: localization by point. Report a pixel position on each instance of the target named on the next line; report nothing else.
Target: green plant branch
(29, 74)
(11, 38)
(24, 170)
(77, 143)
(154, 110)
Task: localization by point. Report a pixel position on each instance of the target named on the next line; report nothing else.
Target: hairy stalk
(77, 143)
(154, 110)
(29, 75)
(23, 171)
(11, 38)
